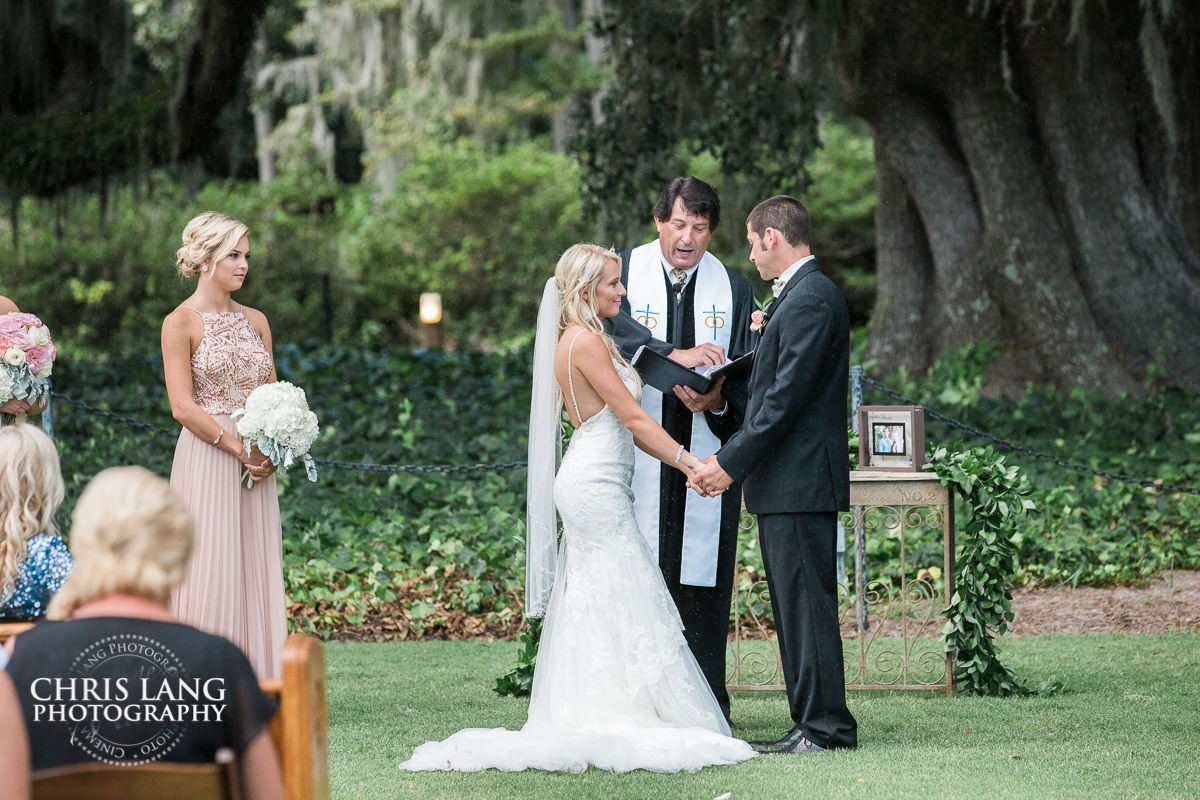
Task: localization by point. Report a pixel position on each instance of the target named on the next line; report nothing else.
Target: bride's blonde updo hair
(582, 267)
(206, 240)
(130, 533)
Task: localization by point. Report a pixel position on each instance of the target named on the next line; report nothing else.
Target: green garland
(995, 497)
(518, 681)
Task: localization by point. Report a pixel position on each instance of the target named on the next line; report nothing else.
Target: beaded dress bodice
(230, 362)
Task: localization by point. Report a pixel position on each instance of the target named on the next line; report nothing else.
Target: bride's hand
(688, 464)
(710, 479)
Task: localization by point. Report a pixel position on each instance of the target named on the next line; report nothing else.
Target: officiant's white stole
(713, 311)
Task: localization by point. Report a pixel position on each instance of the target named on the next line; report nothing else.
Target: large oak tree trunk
(211, 71)
(1037, 185)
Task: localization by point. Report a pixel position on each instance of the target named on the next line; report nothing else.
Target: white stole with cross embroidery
(712, 302)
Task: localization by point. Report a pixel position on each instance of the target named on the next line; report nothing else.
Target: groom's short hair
(698, 197)
(786, 215)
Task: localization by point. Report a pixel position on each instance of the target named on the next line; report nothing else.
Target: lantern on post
(431, 308)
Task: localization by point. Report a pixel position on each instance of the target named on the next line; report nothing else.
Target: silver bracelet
(678, 453)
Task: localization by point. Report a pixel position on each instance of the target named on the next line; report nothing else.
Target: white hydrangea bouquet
(276, 419)
(26, 357)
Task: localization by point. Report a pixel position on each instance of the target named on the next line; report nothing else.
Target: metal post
(855, 401)
(841, 552)
(860, 567)
(856, 375)
(860, 550)
(47, 415)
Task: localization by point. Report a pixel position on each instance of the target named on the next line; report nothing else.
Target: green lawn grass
(1127, 726)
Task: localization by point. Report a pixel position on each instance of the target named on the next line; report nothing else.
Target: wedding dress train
(615, 685)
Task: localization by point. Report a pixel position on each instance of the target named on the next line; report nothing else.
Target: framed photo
(891, 438)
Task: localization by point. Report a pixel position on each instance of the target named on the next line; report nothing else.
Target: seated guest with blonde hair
(33, 561)
(159, 690)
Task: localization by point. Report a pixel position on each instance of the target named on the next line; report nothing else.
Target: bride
(615, 685)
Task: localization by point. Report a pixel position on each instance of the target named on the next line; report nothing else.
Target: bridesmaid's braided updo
(206, 240)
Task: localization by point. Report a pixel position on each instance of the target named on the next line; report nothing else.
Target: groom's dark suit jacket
(791, 453)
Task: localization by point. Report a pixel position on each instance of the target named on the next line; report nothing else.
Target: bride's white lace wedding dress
(615, 685)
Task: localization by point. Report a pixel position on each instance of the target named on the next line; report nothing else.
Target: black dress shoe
(802, 746)
(794, 742)
(757, 743)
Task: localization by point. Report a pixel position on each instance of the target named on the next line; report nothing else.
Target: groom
(791, 457)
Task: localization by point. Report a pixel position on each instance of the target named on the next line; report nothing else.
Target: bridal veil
(545, 452)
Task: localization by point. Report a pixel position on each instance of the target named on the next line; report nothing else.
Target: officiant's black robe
(704, 610)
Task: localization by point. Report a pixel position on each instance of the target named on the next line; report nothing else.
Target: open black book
(664, 374)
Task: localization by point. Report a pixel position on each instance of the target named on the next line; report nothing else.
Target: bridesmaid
(15, 407)
(215, 352)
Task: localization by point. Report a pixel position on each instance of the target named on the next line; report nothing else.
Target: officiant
(684, 303)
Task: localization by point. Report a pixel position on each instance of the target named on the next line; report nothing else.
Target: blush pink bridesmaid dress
(234, 585)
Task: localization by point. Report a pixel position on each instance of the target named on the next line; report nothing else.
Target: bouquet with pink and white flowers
(26, 357)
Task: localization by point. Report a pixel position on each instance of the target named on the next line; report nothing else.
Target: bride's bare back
(582, 353)
(595, 381)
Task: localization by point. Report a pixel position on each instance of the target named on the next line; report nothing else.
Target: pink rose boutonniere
(758, 317)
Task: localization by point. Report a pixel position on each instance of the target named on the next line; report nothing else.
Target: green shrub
(420, 553)
(1085, 529)
(483, 227)
(441, 553)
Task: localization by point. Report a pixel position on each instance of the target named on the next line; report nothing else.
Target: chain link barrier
(112, 415)
(452, 469)
(1028, 451)
(466, 469)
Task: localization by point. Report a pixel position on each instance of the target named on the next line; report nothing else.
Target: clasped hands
(18, 408)
(257, 465)
(710, 479)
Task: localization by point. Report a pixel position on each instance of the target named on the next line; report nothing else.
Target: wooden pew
(11, 629)
(96, 781)
(300, 729)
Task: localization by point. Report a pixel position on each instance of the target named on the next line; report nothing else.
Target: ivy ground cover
(415, 554)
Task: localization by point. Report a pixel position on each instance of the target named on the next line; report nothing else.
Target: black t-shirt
(132, 691)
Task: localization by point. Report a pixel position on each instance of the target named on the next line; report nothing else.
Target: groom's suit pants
(799, 552)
